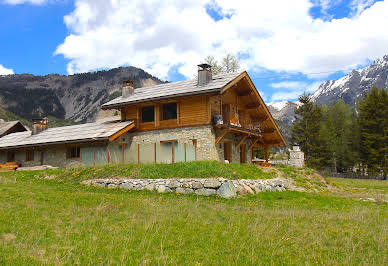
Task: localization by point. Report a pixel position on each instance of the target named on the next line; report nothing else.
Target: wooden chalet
(218, 118)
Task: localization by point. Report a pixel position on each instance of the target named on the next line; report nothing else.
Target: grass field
(52, 221)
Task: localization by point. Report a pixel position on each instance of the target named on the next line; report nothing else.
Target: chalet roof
(6, 126)
(68, 134)
(173, 89)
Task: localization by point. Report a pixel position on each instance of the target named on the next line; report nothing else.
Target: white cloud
(18, 2)
(291, 90)
(358, 6)
(278, 35)
(5, 71)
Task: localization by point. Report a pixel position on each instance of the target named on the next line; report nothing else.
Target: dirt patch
(8, 237)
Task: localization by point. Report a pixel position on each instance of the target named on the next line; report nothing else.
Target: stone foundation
(214, 186)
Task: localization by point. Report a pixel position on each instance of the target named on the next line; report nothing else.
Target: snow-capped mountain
(354, 85)
(283, 111)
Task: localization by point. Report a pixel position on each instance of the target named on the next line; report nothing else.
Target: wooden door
(227, 150)
(243, 155)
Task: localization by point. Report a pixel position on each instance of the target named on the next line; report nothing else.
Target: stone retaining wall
(213, 186)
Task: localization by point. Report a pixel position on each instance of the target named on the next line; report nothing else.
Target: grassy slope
(203, 169)
(51, 221)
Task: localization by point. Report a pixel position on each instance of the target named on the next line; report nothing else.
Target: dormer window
(169, 111)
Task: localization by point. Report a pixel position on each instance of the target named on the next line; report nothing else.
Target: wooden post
(266, 154)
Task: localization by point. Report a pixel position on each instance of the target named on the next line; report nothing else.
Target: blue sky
(287, 46)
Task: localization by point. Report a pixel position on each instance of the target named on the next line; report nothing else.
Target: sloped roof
(69, 134)
(6, 126)
(173, 89)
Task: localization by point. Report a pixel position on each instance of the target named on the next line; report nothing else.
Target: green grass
(199, 169)
(381, 185)
(52, 222)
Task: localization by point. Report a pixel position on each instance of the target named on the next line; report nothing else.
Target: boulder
(174, 184)
(184, 190)
(150, 187)
(205, 192)
(212, 183)
(227, 190)
(248, 189)
(196, 185)
(112, 186)
(126, 186)
(162, 189)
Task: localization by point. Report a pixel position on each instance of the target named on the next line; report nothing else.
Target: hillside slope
(77, 97)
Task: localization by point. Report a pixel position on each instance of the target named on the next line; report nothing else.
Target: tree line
(343, 139)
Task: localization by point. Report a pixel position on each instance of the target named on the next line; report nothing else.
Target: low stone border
(212, 186)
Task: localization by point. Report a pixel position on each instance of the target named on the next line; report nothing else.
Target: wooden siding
(191, 111)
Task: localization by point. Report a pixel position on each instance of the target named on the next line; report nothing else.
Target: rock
(241, 190)
(196, 185)
(227, 190)
(100, 184)
(205, 191)
(163, 189)
(126, 186)
(184, 190)
(257, 188)
(112, 186)
(212, 183)
(174, 184)
(248, 189)
(185, 185)
(150, 187)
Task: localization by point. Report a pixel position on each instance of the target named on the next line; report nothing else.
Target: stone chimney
(39, 125)
(127, 89)
(204, 74)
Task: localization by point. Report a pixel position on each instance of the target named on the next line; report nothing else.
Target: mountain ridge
(73, 97)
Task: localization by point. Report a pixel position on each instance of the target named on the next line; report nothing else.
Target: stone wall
(214, 186)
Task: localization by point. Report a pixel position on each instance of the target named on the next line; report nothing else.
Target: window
(10, 156)
(29, 155)
(73, 152)
(148, 114)
(169, 111)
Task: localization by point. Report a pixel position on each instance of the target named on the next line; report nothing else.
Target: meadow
(55, 220)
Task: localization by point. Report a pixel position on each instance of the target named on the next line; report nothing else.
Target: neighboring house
(10, 127)
(209, 118)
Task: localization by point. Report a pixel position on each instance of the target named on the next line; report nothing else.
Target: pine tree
(373, 122)
(306, 132)
(336, 131)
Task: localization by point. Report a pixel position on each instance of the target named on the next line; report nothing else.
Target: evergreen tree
(306, 132)
(336, 132)
(373, 122)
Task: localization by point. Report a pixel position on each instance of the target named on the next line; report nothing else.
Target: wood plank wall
(191, 111)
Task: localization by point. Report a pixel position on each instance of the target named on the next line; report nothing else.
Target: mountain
(354, 85)
(75, 98)
(284, 114)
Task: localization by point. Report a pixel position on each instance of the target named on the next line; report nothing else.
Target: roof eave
(111, 106)
(55, 143)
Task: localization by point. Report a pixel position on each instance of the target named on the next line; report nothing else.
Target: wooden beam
(253, 143)
(244, 93)
(241, 141)
(223, 134)
(121, 132)
(252, 106)
(269, 131)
